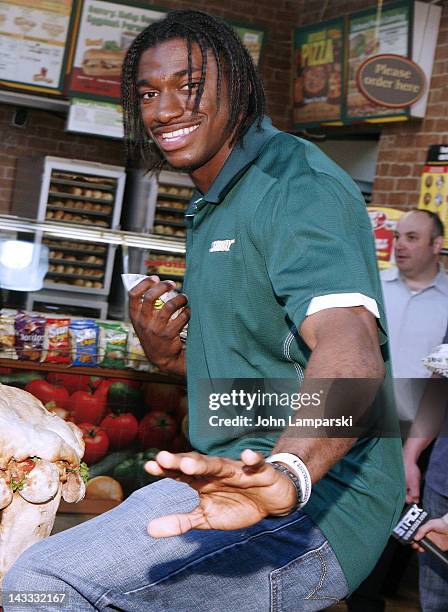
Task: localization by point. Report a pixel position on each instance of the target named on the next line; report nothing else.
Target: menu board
(33, 41)
(318, 84)
(434, 193)
(384, 222)
(253, 40)
(95, 117)
(373, 33)
(106, 31)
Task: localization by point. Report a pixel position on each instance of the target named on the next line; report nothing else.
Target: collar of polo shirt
(241, 157)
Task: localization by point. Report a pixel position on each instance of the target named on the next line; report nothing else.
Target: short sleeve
(317, 241)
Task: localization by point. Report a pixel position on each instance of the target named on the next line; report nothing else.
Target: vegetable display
(124, 423)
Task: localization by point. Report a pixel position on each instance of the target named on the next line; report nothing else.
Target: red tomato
(96, 441)
(121, 429)
(47, 393)
(88, 407)
(156, 430)
(95, 382)
(71, 382)
(162, 396)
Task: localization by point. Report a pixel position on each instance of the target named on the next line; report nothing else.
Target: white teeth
(181, 132)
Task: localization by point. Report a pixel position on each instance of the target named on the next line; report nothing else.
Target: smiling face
(197, 143)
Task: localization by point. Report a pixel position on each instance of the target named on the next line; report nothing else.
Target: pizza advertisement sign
(105, 33)
(318, 66)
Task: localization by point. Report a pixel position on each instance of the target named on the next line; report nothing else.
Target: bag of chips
(136, 358)
(30, 331)
(84, 342)
(56, 347)
(7, 336)
(113, 342)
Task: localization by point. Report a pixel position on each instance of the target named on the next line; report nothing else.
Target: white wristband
(299, 469)
(445, 518)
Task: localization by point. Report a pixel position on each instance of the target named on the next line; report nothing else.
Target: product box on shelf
(434, 193)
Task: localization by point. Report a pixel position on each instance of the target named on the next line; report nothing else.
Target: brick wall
(44, 133)
(403, 146)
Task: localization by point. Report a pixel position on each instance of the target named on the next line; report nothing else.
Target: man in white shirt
(416, 302)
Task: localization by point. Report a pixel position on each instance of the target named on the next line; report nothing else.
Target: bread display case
(72, 192)
(173, 193)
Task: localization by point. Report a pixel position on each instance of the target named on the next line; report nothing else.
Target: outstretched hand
(232, 494)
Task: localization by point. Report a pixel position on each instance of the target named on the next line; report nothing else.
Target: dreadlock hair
(245, 89)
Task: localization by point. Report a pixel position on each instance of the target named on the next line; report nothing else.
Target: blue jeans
(433, 576)
(279, 564)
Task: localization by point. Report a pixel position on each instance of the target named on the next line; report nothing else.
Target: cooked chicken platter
(40, 462)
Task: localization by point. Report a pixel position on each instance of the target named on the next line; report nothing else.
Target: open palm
(232, 494)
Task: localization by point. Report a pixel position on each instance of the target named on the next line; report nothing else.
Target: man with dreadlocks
(281, 284)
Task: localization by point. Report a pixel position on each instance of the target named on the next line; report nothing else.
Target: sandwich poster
(374, 33)
(318, 82)
(33, 43)
(105, 33)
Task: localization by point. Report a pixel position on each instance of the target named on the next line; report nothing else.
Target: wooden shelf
(87, 506)
(91, 371)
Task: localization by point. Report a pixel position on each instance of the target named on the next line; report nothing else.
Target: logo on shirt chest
(221, 246)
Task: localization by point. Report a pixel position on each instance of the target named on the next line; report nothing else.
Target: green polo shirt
(280, 225)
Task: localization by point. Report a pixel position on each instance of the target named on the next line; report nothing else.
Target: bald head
(418, 242)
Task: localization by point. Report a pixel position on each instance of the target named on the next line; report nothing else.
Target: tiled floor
(406, 600)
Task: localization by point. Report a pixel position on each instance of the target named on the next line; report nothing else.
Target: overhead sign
(33, 44)
(391, 80)
(371, 34)
(105, 33)
(95, 117)
(318, 83)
